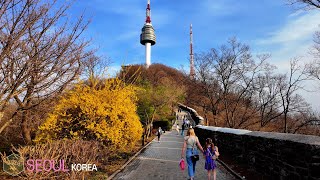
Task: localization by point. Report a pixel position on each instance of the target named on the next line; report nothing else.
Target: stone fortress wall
(275, 155)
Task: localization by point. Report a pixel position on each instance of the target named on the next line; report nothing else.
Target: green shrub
(164, 124)
(170, 118)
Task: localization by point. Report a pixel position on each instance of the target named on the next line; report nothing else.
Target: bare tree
(95, 66)
(41, 54)
(244, 91)
(316, 46)
(289, 84)
(305, 4)
(306, 120)
(267, 97)
(9, 42)
(206, 86)
(228, 74)
(313, 68)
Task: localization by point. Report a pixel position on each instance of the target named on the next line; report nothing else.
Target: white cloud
(296, 13)
(297, 29)
(294, 39)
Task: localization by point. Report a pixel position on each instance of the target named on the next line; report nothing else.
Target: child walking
(211, 153)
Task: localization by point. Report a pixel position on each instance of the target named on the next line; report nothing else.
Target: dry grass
(79, 151)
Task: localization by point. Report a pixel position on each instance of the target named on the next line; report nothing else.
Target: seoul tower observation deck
(147, 36)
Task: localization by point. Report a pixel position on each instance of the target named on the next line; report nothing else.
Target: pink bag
(182, 164)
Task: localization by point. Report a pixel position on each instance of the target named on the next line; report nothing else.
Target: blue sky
(267, 26)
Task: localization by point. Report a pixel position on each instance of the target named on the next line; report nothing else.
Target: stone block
(304, 177)
(315, 170)
(289, 167)
(294, 176)
(276, 169)
(283, 173)
(315, 159)
(302, 170)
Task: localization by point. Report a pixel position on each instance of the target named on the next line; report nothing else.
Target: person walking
(211, 154)
(177, 129)
(182, 128)
(190, 147)
(187, 123)
(159, 132)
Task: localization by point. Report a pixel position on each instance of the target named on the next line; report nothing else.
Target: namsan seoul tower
(147, 36)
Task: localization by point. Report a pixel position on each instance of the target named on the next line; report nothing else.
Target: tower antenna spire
(148, 13)
(192, 72)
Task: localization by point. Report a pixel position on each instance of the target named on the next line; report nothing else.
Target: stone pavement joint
(160, 161)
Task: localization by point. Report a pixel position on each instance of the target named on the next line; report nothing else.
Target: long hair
(209, 142)
(191, 132)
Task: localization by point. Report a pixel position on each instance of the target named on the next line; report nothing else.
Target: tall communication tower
(192, 72)
(147, 36)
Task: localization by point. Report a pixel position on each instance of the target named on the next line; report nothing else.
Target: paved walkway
(160, 161)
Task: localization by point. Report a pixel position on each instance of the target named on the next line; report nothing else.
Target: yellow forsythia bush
(100, 111)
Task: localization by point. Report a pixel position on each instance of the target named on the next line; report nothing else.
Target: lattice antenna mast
(192, 72)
